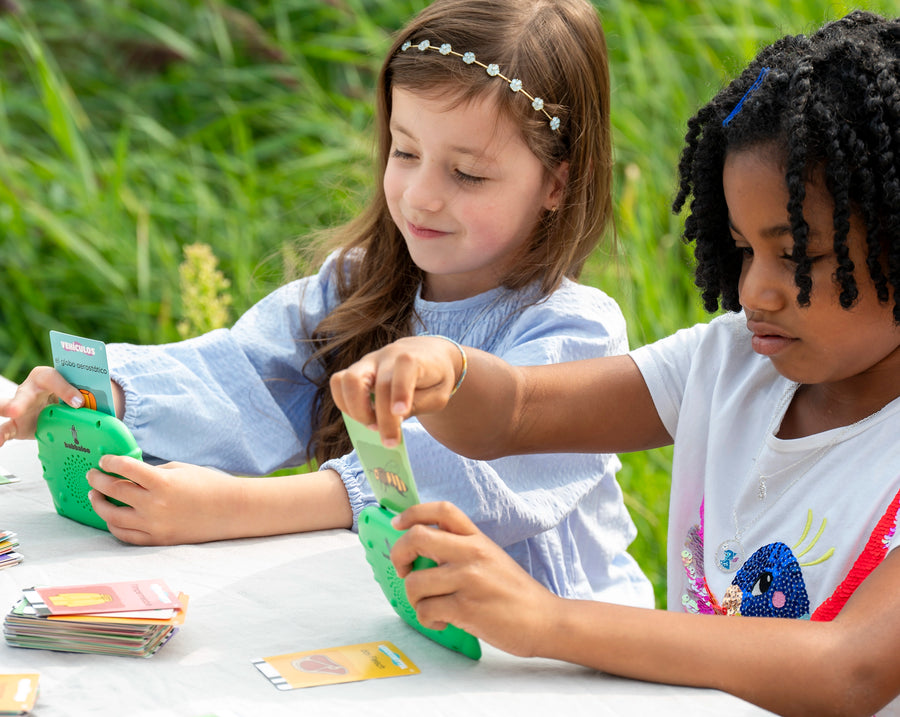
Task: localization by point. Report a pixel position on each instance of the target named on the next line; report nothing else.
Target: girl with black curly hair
(784, 411)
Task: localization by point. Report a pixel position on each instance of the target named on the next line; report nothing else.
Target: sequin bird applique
(769, 584)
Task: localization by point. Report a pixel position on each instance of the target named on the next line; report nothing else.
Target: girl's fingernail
(398, 408)
(76, 401)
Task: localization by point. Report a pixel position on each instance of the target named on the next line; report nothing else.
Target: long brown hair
(558, 50)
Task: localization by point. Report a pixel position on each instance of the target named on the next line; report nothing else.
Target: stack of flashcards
(133, 618)
(18, 693)
(8, 544)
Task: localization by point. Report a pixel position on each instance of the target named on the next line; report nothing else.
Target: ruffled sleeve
(235, 399)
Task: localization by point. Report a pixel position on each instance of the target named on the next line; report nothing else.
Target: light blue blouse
(236, 399)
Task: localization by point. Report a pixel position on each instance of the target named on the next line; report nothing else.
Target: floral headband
(493, 70)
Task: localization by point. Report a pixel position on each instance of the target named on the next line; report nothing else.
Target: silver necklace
(731, 555)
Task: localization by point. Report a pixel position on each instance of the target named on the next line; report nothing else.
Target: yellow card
(18, 693)
(333, 665)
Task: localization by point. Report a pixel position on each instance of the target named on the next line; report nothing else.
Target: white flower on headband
(492, 69)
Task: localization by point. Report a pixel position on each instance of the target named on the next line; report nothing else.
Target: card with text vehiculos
(82, 362)
(334, 665)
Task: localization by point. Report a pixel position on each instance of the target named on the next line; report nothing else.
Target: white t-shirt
(783, 520)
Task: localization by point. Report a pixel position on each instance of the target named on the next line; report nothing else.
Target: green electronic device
(391, 478)
(70, 442)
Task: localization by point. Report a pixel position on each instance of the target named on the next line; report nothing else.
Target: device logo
(75, 445)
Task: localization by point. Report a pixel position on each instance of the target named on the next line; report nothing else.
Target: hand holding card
(391, 479)
(82, 362)
(71, 441)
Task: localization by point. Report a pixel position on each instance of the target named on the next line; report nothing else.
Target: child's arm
(181, 503)
(845, 667)
(501, 409)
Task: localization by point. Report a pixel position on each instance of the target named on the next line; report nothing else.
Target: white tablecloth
(270, 596)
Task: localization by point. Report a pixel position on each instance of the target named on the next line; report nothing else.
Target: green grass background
(131, 129)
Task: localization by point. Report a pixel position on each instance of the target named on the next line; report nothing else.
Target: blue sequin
(772, 585)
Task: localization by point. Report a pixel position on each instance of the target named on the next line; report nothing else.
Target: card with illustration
(387, 469)
(334, 665)
(82, 362)
(18, 693)
(97, 598)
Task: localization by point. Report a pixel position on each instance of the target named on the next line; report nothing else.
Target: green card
(387, 469)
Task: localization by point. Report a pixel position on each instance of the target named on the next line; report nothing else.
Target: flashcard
(101, 598)
(7, 476)
(82, 362)
(388, 470)
(334, 665)
(18, 693)
(8, 544)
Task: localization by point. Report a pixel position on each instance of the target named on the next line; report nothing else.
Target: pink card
(101, 597)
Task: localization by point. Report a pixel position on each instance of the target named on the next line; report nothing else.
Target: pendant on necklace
(730, 555)
(762, 491)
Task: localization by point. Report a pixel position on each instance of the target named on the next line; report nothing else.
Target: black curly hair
(829, 102)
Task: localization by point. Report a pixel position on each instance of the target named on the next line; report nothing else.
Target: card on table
(335, 665)
(8, 544)
(82, 362)
(18, 693)
(97, 598)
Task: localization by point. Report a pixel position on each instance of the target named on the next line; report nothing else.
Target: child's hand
(410, 376)
(41, 388)
(166, 505)
(476, 585)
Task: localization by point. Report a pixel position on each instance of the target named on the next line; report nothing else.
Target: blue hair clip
(737, 108)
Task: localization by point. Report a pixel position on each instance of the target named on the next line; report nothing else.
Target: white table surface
(269, 596)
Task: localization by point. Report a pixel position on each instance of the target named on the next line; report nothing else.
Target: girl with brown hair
(494, 168)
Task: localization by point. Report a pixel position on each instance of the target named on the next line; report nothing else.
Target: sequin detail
(697, 597)
(771, 584)
(875, 551)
